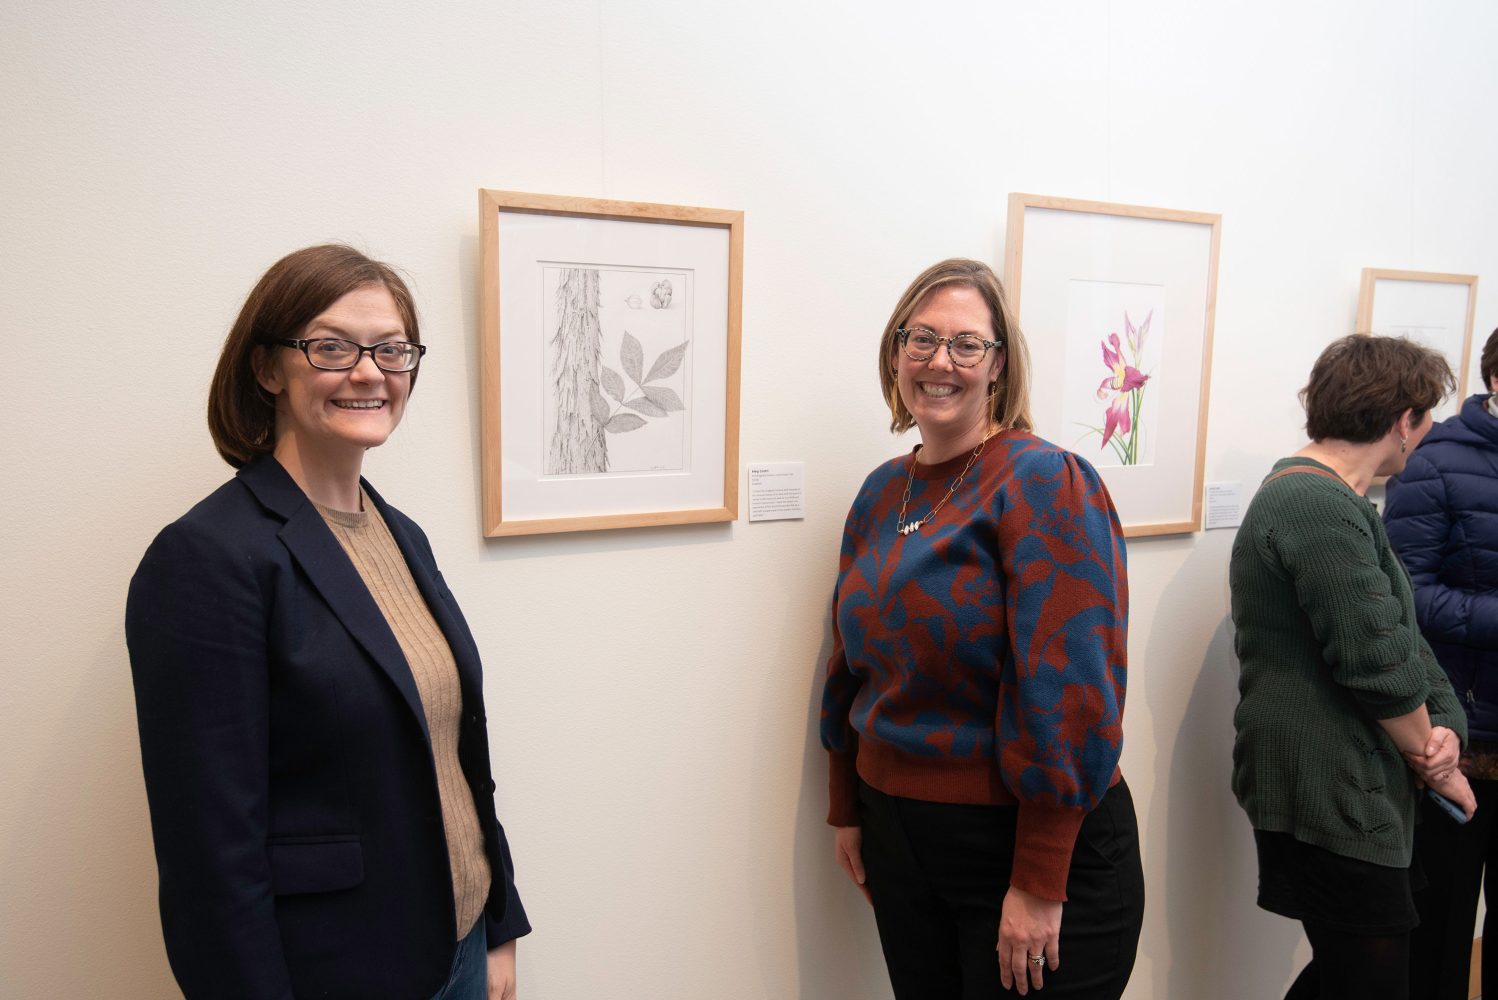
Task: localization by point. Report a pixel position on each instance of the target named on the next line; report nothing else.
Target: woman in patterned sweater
(973, 705)
(1343, 709)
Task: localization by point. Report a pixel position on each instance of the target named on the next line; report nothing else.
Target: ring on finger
(1036, 960)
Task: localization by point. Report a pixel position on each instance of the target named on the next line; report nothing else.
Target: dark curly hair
(1489, 361)
(1361, 384)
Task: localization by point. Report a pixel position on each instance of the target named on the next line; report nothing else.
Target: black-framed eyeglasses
(965, 349)
(335, 355)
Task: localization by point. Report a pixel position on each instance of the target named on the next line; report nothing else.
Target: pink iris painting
(1123, 419)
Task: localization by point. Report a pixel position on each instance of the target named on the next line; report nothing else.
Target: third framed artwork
(1430, 308)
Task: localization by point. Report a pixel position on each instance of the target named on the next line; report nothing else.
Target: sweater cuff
(1455, 723)
(842, 787)
(1044, 837)
(1384, 707)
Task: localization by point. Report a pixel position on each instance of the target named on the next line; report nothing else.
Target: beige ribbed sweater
(375, 555)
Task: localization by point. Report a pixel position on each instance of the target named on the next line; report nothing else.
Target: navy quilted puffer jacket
(1442, 516)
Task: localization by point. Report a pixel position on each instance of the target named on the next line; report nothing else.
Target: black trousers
(938, 874)
(1459, 860)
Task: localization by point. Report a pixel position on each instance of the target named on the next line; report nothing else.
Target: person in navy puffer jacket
(1442, 517)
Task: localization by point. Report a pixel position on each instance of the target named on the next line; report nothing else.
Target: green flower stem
(1115, 442)
(1138, 405)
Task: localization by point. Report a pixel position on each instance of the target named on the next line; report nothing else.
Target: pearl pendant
(913, 526)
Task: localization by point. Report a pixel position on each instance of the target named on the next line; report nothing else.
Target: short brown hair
(296, 289)
(1361, 384)
(1011, 403)
(1489, 361)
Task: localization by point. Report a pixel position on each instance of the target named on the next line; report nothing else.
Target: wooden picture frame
(581, 297)
(1117, 303)
(1429, 307)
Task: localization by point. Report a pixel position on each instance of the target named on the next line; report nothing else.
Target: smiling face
(949, 403)
(334, 416)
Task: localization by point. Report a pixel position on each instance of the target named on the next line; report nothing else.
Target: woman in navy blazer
(289, 764)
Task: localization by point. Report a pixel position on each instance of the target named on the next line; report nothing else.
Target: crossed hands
(1437, 767)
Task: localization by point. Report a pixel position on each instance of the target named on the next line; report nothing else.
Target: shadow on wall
(1200, 866)
(836, 940)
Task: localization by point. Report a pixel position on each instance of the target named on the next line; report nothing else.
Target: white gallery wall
(652, 693)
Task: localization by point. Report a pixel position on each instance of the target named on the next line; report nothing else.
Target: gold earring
(1403, 443)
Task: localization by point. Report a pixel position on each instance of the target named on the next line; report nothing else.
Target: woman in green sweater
(1344, 712)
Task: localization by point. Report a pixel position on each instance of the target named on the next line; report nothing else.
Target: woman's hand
(502, 972)
(848, 847)
(1442, 752)
(1454, 787)
(1028, 926)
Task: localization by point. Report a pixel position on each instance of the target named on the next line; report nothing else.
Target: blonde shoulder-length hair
(1010, 403)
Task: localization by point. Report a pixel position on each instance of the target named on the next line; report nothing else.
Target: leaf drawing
(587, 399)
(650, 400)
(624, 422)
(666, 399)
(599, 404)
(631, 356)
(667, 363)
(646, 406)
(613, 384)
(577, 441)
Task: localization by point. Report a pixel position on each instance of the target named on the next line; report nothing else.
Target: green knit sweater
(1329, 644)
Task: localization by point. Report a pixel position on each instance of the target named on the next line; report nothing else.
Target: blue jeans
(469, 979)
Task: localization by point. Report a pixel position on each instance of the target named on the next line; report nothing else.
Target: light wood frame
(491, 204)
(1013, 274)
(1369, 282)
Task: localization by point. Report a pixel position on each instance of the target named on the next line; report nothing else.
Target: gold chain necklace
(906, 528)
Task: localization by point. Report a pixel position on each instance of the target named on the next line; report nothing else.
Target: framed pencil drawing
(1117, 304)
(610, 356)
(1429, 308)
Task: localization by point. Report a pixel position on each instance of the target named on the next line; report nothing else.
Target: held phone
(1447, 806)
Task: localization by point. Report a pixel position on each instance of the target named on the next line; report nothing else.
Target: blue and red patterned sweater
(982, 659)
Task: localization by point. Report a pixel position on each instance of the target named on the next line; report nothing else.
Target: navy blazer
(293, 796)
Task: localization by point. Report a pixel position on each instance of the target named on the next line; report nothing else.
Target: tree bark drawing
(578, 443)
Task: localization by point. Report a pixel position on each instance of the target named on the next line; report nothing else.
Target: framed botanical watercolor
(1117, 303)
(610, 355)
(1429, 308)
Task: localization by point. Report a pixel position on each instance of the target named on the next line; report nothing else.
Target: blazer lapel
(330, 572)
(454, 629)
